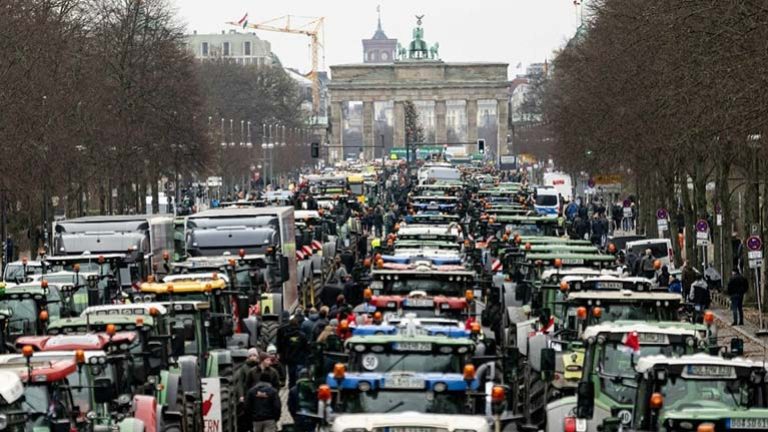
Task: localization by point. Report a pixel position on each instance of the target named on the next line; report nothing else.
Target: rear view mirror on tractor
(585, 399)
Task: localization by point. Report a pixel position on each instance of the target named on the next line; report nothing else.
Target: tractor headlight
(3, 421)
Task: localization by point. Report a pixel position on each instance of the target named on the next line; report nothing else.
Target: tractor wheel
(268, 333)
(537, 399)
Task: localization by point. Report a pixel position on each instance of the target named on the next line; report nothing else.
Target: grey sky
(511, 31)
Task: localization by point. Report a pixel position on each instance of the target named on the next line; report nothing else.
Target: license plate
(404, 382)
(421, 303)
(748, 423)
(609, 285)
(413, 429)
(573, 261)
(413, 346)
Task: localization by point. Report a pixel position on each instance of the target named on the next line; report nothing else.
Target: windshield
(528, 230)
(616, 368)
(356, 188)
(407, 361)
(629, 311)
(430, 286)
(400, 401)
(14, 272)
(24, 319)
(46, 400)
(681, 393)
(658, 250)
(546, 200)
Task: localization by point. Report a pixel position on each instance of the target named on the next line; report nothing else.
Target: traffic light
(315, 150)
(481, 146)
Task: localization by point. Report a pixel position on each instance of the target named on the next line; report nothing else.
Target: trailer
(145, 239)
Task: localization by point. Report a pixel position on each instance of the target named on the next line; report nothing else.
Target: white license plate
(413, 346)
(421, 303)
(573, 261)
(748, 423)
(609, 285)
(406, 382)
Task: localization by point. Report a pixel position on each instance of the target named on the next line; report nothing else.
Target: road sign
(754, 243)
(702, 226)
(662, 213)
(719, 219)
(662, 224)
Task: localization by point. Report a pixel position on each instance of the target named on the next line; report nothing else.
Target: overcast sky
(510, 31)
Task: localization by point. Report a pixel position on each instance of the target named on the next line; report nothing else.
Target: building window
(384, 56)
(204, 49)
(226, 49)
(247, 48)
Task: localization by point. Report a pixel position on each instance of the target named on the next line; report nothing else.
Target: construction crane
(312, 27)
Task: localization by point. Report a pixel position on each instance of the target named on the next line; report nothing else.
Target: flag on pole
(631, 342)
(244, 20)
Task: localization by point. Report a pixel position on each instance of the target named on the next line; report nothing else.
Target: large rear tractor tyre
(268, 333)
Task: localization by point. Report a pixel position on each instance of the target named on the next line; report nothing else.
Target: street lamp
(231, 133)
(223, 136)
(249, 143)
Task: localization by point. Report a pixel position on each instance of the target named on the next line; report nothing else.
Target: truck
(143, 240)
(267, 232)
(561, 182)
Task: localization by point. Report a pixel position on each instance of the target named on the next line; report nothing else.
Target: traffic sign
(662, 213)
(754, 243)
(702, 226)
(662, 224)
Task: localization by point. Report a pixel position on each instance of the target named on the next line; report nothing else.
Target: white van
(547, 201)
(661, 249)
(561, 182)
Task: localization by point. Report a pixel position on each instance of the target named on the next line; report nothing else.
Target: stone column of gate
(399, 132)
(502, 122)
(441, 130)
(472, 125)
(336, 124)
(368, 135)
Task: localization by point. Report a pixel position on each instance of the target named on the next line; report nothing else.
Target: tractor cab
(30, 306)
(611, 353)
(47, 397)
(698, 392)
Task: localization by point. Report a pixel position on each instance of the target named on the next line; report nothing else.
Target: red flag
(496, 266)
(631, 342)
(243, 19)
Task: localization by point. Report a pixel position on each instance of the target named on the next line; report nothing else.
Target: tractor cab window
(617, 364)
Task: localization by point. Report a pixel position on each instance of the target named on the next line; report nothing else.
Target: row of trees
(670, 94)
(100, 101)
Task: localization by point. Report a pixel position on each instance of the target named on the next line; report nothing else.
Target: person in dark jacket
(302, 400)
(663, 277)
(260, 369)
(688, 278)
(737, 288)
(700, 298)
(309, 324)
(294, 350)
(322, 321)
(264, 408)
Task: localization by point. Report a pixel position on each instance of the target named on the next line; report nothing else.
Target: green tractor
(611, 352)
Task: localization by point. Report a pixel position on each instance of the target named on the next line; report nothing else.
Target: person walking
(294, 350)
(700, 298)
(688, 278)
(737, 288)
(264, 407)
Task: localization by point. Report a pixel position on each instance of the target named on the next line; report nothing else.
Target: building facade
(457, 103)
(379, 48)
(241, 48)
